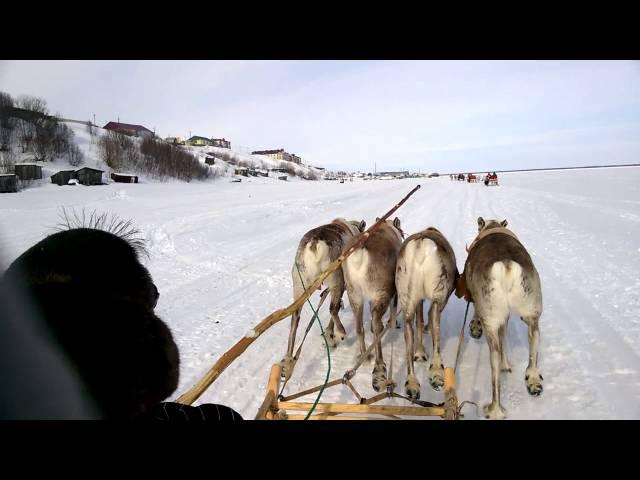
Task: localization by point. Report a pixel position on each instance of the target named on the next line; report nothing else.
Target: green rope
(326, 380)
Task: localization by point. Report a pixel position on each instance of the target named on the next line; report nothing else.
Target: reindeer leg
(357, 307)
(393, 316)
(532, 374)
(494, 410)
(379, 380)
(411, 386)
(420, 355)
(505, 366)
(436, 368)
(337, 290)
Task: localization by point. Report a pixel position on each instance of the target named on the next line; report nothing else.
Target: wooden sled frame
(274, 409)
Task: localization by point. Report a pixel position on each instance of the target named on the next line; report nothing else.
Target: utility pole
(94, 118)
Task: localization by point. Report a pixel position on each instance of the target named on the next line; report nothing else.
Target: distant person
(97, 299)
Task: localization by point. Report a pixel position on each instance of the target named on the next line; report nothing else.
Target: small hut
(209, 160)
(244, 171)
(8, 183)
(28, 171)
(63, 176)
(89, 176)
(124, 178)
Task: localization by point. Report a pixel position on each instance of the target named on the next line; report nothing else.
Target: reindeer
(426, 270)
(369, 275)
(499, 276)
(316, 250)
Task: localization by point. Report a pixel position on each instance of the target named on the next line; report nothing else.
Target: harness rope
(461, 338)
(323, 297)
(326, 345)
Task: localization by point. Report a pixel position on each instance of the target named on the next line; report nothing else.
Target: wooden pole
(374, 409)
(272, 391)
(236, 350)
(333, 383)
(324, 416)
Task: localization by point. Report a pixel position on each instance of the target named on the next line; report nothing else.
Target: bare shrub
(75, 156)
(162, 159)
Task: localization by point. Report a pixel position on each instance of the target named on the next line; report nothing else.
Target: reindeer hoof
(379, 381)
(505, 366)
(436, 377)
(533, 380)
(494, 411)
(475, 329)
(412, 387)
(287, 367)
(331, 341)
(339, 336)
(420, 357)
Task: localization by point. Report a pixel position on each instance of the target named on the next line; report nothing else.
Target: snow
(221, 256)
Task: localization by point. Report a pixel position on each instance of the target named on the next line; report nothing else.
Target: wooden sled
(274, 409)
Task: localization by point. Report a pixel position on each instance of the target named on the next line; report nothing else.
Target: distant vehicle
(434, 175)
(342, 180)
(491, 179)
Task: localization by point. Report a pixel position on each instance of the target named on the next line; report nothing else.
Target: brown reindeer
(500, 277)
(426, 270)
(317, 249)
(369, 275)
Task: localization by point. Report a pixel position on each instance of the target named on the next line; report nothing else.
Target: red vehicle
(491, 179)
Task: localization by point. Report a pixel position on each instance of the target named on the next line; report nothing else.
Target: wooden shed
(244, 171)
(209, 160)
(89, 176)
(8, 183)
(63, 176)
(124, 178)
(28, 171)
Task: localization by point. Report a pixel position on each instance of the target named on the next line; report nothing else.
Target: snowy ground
(221, 256)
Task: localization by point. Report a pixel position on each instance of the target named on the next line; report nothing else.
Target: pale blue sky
(427, 115)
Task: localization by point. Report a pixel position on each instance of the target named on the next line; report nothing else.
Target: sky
(426, 116)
